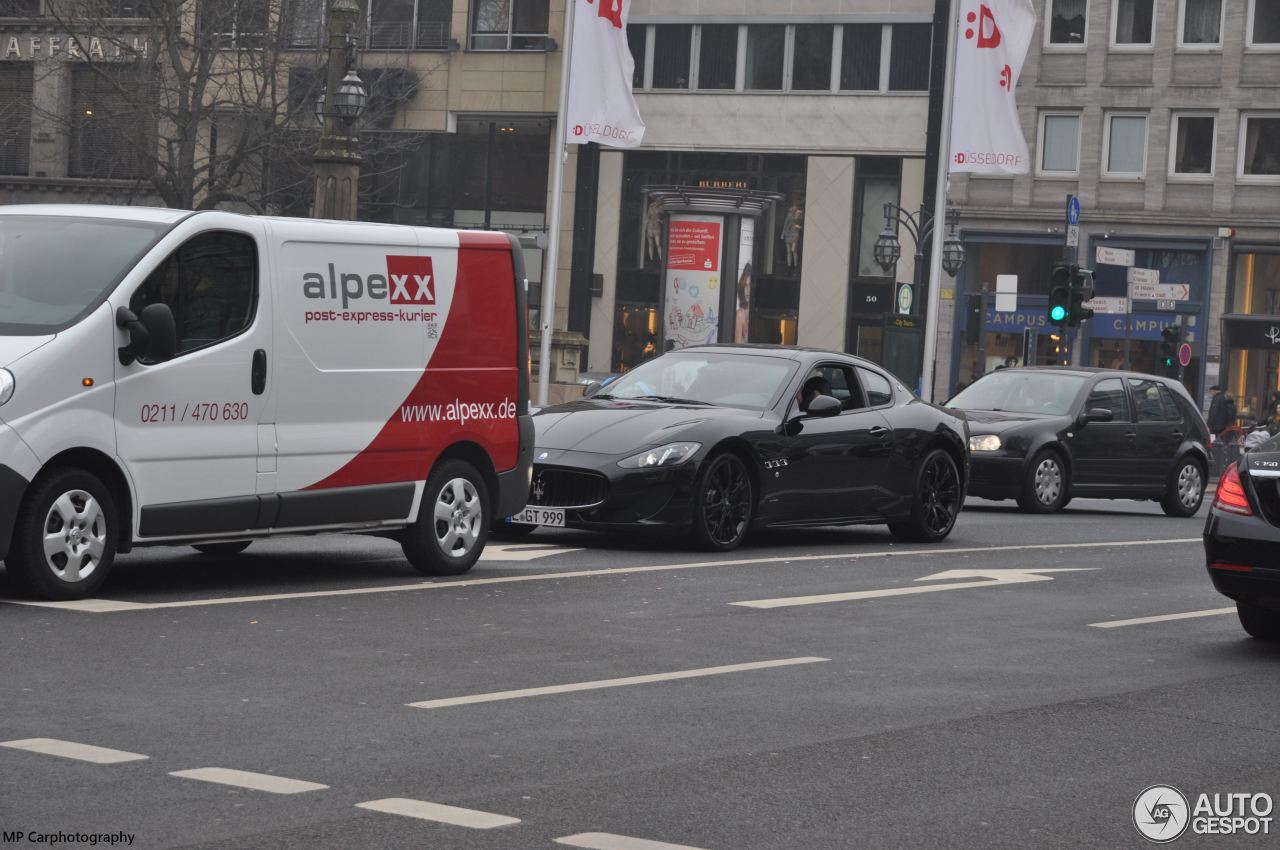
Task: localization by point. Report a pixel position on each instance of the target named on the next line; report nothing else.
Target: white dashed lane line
(1163, 618)
(72, 750)
(253, 781)
(438, 813)
(498, 696)
(608, 841)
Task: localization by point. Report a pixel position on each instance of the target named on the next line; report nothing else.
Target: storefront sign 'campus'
(986, 136)
(601, 107)
(692, 305)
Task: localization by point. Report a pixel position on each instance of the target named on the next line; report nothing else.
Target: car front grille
(554, 487)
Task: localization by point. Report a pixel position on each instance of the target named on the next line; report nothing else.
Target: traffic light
(1081, 291)
(1170, 337)
(1060, 294)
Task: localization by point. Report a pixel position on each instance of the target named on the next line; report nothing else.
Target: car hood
(14, 348)
(1000, 421)
(616, 426)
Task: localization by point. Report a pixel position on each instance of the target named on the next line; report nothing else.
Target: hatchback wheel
(453, 522)
(1045, 490)
(1186, 490)
(64, 541)
(936, 502)
(724, 502)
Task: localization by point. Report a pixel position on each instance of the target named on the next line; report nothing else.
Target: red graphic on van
(412, 280)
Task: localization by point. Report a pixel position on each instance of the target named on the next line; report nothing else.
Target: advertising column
(691, 298)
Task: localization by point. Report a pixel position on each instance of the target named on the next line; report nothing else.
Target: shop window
(1109, 395)
(1059, 144)
(1132, 23)
(811, 63)
(878, 184)
(236, 25)
(637, 39)
(909, 57)
(19, 8)
(718, 57)
(1264, 22)
(111, 131)
(1067, 20)
(1200, 24)
(671, 50)
(1260, 149)
(766, 44)
(1193, 148)
(15, 117)
(860, 58)
(1126, 146)
(509, 24)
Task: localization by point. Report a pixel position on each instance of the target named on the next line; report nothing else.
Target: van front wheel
(452, 525)
(64, 541)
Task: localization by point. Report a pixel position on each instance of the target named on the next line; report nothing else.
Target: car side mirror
(592, 389)
(824, 406)
(152, 335)
(1095, 414)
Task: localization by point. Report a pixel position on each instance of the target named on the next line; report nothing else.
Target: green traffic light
(1057, 313)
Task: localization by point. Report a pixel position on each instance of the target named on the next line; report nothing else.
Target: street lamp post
(337, 158)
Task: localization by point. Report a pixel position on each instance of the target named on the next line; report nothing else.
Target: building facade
(1164, 119)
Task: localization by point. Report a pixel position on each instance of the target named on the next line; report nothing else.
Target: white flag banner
(601, 107)
(986, 136)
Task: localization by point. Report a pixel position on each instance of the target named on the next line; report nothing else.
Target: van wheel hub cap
(75, 536)
(458, 515)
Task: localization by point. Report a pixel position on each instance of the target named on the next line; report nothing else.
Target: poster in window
(742, 303)
(692, 295)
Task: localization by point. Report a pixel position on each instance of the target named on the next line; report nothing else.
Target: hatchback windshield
(54, 270)
(729, 380)
(1020, 392)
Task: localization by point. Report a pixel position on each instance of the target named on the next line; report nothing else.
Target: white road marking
(438, 813)
(105, 606)
(1163, 618)
(72, 750)
(614, 683)
(990, 578)
(253, 781)
(608, 841)
(522, 551)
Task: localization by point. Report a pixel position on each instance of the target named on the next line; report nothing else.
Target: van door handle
(259, 374)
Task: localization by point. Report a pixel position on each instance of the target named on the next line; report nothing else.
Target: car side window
(1109, 395)
(879, 390)
(211, 285)
(1172, 412)
(837, 381)
(1146, 397)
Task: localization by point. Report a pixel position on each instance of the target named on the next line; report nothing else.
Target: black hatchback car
(1044, 435)
(1242, 539)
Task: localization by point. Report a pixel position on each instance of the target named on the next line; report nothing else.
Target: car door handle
(258, 376)
(1178, 434)
(879, 431)
(1131, 434)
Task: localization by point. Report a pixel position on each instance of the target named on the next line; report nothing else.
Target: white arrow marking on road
(989, 578)
(522, 551)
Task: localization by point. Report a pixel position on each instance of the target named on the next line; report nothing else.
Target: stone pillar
(337, 159)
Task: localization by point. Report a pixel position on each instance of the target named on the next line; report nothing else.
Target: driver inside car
(814, 386)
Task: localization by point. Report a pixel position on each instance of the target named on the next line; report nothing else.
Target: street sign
(1113, 306)
(1109, 256)
(1073, 236)
(1073, 210)
(1166, 305)
(1184, 355)
(1006, 293)
(906, 297)
(1137, 275)
(1160, 292)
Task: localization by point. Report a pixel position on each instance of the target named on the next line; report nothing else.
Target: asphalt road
(850, 704)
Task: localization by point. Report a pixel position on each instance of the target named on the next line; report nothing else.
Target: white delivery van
(208, 379)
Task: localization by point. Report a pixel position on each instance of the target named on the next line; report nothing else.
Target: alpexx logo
(409, 280)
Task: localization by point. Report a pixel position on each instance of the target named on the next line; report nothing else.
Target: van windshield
(54, 270)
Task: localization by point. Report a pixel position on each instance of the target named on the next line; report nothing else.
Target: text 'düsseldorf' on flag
(601, 107)
(986, 136)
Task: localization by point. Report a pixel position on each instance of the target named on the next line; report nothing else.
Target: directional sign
(1115, 306)
(980, 578)
(1184, 354)
(1166, 305)
(1137, 275)
(1073, 210)
(1160, 292)
(1109, 256)
(1073, 236)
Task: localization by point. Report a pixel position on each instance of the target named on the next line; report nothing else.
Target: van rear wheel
(453, 522)
(64, 541)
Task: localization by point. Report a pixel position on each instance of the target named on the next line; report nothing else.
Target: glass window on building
(811, 62)
(718, 57)
(1133, 22)
(1193, 147)
(1067, 22)
(671, 46)
(1261, 154)
(1201, 22)
(637, 39)
(304, 23)
(407, 24)
(1059, 144)
(910, 57)
(1252, 374)
(112, 133)
(1264, 22)
(509, 24)
(766, 45)
(15, 117)
(19, 8)
(860, 57)
(234, 25)
(871, 291)
(1126, 148)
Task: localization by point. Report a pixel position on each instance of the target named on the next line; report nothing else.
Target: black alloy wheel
(936, 503)
(724, 504)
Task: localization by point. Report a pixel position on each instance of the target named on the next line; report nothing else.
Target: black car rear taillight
(1231, 497)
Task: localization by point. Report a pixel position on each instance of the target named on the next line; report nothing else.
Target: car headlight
(985, 443)
(7, 384)
(672, 454)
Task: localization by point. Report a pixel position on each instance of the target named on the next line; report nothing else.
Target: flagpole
(939, 213)
(557, 192)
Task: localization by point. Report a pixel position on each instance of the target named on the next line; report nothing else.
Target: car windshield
(1020, 392)
(729, 380)
(53, 270)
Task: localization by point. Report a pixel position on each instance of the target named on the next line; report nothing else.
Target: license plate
(553, 517)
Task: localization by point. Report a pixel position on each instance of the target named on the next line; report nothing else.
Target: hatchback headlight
(985, 443)
(7, 384)
(672, 454)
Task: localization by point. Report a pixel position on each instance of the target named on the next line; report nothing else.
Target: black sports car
(1242, 539)
(718, 440)
(1043, 435)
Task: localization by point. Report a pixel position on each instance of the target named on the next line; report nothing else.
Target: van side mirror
(1095, 414)
(153, 335)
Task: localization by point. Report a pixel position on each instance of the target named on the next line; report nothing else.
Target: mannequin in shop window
(653, 231)
(791, 227)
